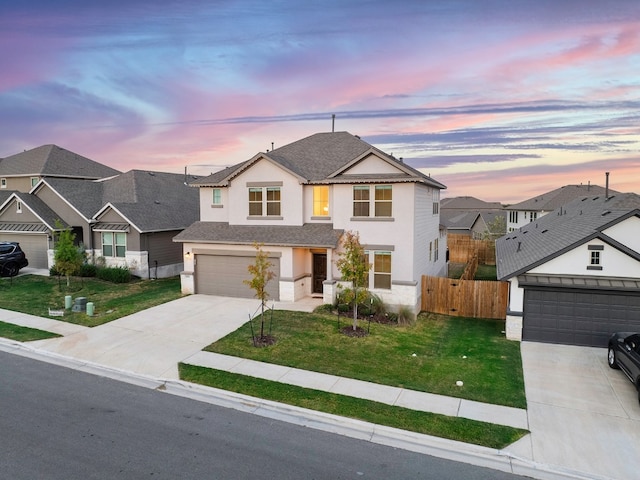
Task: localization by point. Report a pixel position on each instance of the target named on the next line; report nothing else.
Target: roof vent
(545, 230)
(519, 246)
(606, 212)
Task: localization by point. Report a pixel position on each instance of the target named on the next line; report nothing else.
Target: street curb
(438, 447)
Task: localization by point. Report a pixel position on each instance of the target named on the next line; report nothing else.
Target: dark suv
(12, 259)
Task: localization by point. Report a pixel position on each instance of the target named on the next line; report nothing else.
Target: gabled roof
(468, 203)
(560, 231)
(152, 201)
(560, 196)
(320, 235)
(459, 220)
(53, 161)
(40, 209)
(323, 158)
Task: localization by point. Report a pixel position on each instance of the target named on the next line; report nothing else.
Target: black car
(624, 353)
(12, 259)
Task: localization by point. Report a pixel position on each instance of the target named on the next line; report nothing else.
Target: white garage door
(225, 275)
(34, 247)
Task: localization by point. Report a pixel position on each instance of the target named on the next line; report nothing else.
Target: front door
(319, 271)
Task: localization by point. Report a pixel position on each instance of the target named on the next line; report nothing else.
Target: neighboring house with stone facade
(126, 218)
(297, 200)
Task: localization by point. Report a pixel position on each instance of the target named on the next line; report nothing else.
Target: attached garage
(224, 274)
(557, 312)
(34, 246)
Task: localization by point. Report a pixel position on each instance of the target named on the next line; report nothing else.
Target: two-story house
(297, 200)
(127, 219)
(574, 274)
(522, 213)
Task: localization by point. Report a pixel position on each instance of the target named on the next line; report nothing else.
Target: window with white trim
(264, 199)
(382, 270)
(114, 244)
(435, 250)
(34, 181)
(3, 183)
(321, 201)
(18, 206)
(216, 197)
(533, 216)
(513, 217)
(382, 201)
(595, 257)
(435, 197)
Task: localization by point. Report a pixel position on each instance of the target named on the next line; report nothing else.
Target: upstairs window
(255, 202)
(264, 200)
(382, 201)
(273, 201)
(360, 201)
(321, 201)
(435, 197)
(34, 181)
(216, 196)
(595, 258)
(18, 206)
(513, 217)
(533, 216)
(3, 183)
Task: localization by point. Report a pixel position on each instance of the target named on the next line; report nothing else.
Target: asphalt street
(59, 423)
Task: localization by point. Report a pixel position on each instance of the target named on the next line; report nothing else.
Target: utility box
(80, 304)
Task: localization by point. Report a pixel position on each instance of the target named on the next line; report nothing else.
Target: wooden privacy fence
(463, 247)
(465, 298)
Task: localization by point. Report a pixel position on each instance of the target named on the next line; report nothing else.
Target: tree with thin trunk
(354, 268)
(68, 259)
(261, 274)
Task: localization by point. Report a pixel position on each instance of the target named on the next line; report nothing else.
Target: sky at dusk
(502, 100)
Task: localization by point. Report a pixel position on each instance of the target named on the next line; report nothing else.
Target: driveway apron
(153, 341)
(583, 415)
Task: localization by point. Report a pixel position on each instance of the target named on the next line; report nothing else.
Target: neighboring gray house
(522, 213)
(574, 273)
(128, 219)
(24, 170)
(297, 200)
(470, 216)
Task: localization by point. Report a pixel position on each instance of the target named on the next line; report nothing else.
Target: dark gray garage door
(34, 247)
(578, 317)
(224, 275)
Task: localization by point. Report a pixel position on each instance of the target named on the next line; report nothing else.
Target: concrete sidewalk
(145, 348)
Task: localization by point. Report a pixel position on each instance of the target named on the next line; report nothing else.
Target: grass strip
(23, 334)
(453, 428)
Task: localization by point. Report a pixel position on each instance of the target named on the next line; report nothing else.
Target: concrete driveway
(153, 341)
(583, 415)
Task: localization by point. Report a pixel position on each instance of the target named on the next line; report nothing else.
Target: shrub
(324, 308)
(53, 272)
(405, 316)
(88, 270)
(114, 274)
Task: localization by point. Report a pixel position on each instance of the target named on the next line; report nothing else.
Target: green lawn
(430, 356)
(453, 428)
(486, 272)
(23, 334)
(35, 294)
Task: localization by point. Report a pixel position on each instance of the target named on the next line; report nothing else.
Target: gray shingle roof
(152, 201)
(561, 230)
(560, 196)
(468, 203)
(320, 235)
(53, 161)
(319, 158)
(41, 209)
